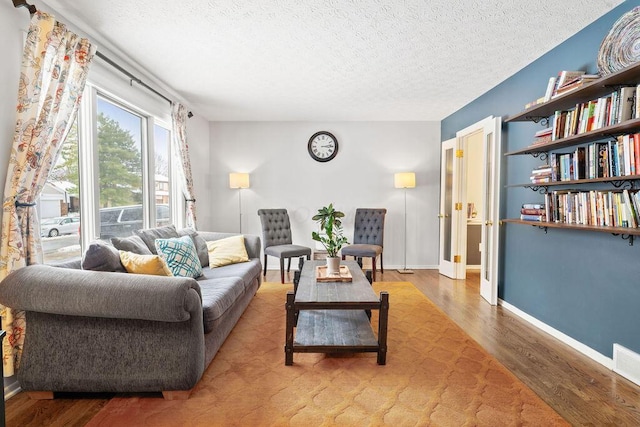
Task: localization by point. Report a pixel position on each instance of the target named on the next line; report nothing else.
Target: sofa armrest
(251, 241)
(47, 289)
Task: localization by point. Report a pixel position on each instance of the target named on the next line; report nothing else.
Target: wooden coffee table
(334, 317)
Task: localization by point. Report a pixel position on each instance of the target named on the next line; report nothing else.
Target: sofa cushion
(180, 255)
(201, 244)
(247, 271)
(131, 244)
(218, 295)
(144, 264)
(227, 251)
(149, 235)
(101, 257)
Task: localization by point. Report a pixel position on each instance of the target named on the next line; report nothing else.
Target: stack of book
(572, 80)
(533, 212)
(543, 136)
(542, 173)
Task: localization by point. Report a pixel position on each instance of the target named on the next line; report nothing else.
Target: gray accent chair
(368, 237)
(276, 239)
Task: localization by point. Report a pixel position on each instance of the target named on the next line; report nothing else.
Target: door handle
(488, 223)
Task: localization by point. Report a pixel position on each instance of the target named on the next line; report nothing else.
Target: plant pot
(333, 266)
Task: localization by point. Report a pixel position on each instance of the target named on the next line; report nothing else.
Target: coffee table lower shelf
(325, 329)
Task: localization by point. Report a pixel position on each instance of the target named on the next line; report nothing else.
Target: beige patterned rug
(435, 375)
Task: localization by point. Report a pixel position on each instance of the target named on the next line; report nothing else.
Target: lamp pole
(240, 207)
(405, 270)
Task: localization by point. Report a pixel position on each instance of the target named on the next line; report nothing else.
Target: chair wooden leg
(281, 270)
(289, 265)
(265, 266)
(343, 257)
(373, 267)
(381, 265)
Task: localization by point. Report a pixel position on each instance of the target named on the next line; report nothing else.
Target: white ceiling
(331, 60)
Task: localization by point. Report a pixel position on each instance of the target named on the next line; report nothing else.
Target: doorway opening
(469, 204)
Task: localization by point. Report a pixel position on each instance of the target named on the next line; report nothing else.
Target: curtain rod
(32, 9)
(131, 76)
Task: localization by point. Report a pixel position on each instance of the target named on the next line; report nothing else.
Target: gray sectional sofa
(106, 331)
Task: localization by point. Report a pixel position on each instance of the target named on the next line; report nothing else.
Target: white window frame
(89, 169)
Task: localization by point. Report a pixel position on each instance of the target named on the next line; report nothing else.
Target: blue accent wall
(584, 284)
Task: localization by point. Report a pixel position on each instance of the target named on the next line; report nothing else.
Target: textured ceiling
(331, 60)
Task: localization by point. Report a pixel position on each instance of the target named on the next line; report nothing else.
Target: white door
(451, 255)
(491, 212)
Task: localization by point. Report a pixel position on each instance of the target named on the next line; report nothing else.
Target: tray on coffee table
(343, 276)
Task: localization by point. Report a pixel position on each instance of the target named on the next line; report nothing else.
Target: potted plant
(332, 238)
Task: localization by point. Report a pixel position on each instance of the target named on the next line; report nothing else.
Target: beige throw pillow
(229, 250)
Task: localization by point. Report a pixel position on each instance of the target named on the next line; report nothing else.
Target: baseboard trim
(11, 390)
(561, 336)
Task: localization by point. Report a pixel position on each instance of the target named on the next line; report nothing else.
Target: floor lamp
(239, 180)
(405, 180)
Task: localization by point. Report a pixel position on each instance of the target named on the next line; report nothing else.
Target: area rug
(435, 375)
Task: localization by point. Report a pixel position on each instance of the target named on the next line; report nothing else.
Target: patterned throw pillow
(144, 264)
(180, 255)
(229, 250)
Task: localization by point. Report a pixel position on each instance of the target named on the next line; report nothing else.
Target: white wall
(283, 175)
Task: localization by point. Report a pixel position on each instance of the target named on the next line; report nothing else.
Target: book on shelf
(637, 106)
(609, 208)
(542, 136)
(627, 103)
(534, 103)
(575, 83)
(539, 211)
(551, 85)
(541, 174)
(538, 218)
(616, 107)
(532, 206)
(566, 76)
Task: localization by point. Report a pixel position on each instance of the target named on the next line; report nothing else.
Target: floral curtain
(179, 122)
(55, 64)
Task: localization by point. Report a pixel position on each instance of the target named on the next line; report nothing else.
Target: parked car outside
(57, 226)
(122, 221)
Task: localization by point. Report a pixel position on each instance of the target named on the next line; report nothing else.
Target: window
(161, 139)
(115, 167)
(120, 177)
(59, 205)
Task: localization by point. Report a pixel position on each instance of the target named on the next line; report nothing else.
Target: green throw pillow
(180, 255)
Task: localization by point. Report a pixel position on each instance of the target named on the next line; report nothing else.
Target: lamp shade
(405, 180)
(238, 180)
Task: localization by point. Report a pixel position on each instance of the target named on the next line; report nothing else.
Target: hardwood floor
(582, 391)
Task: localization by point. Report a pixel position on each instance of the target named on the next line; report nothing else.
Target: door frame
(450, 216)
(491, 214)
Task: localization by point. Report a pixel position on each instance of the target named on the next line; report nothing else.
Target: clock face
(322, 146)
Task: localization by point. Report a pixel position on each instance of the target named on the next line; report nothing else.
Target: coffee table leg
(382, 328)
(288, 347)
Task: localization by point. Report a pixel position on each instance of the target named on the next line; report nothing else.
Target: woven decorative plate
(621, 47)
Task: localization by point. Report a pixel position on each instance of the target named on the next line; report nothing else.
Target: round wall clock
(322, 146)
